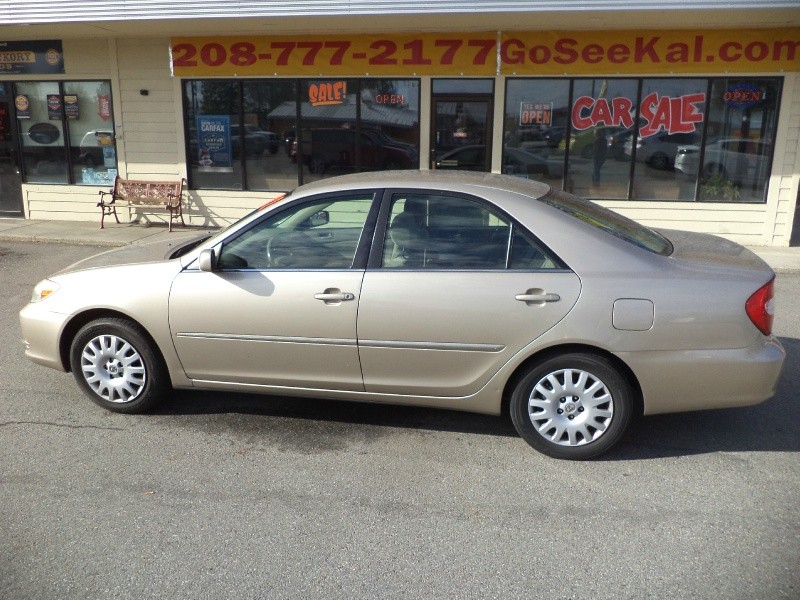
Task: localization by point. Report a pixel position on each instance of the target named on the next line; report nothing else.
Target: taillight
(760, 307)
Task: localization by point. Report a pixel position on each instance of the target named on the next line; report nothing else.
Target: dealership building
(683, 116)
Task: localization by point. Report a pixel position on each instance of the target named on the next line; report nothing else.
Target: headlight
(44, 289)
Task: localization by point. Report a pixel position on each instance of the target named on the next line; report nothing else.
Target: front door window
(461, 132)
(10, 178)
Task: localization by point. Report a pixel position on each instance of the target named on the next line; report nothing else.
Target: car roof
(455, 181)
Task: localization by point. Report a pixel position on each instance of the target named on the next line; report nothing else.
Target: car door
(460, 290)
(279, 308)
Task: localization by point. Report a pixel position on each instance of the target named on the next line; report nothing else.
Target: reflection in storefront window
(269, 123)
(688, 139)
(671, 112)
(213, 148)
(343, 126)
(39, 114)
(536, 118)
(737, 156)
(328, 137)
(601, 121)
(66, 132)
(93, 151)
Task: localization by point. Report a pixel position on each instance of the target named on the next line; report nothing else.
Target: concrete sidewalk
(781, 259)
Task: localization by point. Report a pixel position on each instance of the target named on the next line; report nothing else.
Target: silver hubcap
(113, 368)
(570, 407)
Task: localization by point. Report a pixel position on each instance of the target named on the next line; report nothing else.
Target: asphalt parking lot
(224, 495)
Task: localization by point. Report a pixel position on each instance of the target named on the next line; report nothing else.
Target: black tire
(573, 406)
(116, 365)
(659, 161)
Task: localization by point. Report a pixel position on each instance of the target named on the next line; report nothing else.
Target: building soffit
(42, 19)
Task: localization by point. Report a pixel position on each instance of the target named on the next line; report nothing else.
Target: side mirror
(207, 261)
(323, 217)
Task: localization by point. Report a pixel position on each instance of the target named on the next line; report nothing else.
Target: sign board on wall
(385, 54)
(39, 57)
(636, 52)
(487, 54)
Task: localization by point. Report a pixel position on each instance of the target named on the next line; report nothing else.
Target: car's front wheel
(117, 366)
(573, 406)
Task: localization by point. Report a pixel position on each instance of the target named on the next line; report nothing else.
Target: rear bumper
(705, 379)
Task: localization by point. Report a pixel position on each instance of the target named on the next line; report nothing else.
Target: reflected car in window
(741, 161)
(455, 290)
(659, 150)
(336, 150)
(524, 164)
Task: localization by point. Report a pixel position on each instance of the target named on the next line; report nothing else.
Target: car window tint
(449, 232)
(322, 234)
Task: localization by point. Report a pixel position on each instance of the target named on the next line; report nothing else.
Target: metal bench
(168, 194)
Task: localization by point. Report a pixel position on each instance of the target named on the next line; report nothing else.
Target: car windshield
(609, 221)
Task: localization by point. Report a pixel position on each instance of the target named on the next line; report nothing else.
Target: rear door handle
(537, 297)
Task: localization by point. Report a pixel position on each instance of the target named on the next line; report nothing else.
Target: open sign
(535, 113)
(743, 96)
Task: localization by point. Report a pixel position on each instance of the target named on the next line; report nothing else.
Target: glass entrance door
(461, 136)
(10, 177)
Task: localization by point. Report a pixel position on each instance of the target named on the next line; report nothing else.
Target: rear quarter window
(609, 221)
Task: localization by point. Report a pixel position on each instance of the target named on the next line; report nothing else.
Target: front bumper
(41, 331)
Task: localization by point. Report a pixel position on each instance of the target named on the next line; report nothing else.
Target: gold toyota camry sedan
(454, 290)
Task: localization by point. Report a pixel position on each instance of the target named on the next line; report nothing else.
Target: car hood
(142, 252)
(713, 251)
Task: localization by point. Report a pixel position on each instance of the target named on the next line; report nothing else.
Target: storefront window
(66, 131)
(536, 118)
(389, 124)
(671, 116)
(270, 109)
(344, 125)
(737, 156)
(601, 128)
(93, 150)
(645, 139)
(328, 143)
(39, 114)
(214, 149)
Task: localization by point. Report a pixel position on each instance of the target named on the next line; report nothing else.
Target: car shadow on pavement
(771, 426)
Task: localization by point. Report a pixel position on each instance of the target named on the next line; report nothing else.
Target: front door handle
(537, 297)
(334, 296)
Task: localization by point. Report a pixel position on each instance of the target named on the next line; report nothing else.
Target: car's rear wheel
(659, 161)
(116, 365)
(573, 406)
